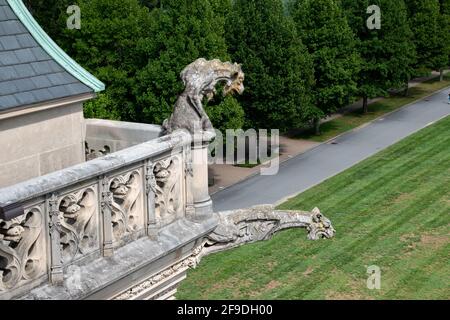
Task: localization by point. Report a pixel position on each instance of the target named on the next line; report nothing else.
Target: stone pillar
(56, 266)
(203, 206)
(106, 203)
(150, 185)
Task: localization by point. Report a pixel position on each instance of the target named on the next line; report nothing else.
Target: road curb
(328, 141)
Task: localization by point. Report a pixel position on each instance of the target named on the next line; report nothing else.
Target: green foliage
(228, 114)
(324, 30)
(279, 71)
(445, 26)
(139, 47)
(387, 53)
(48, 14)
(431, 35)
(181, 32)
(103, 107)
(107, 45)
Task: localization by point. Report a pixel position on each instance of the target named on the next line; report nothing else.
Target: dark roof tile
(8, 101)
(8, 58)
(9, 42)
(8, 73)
(41, 81)
(28, 74)
(25, 70)
(8, 87)
(25, 55)
(26, 40)
(24, 98)
(6, 13)
(11, 27)
(42, 94)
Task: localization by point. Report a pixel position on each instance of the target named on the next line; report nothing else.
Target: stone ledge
(135, 261)
(52, 182)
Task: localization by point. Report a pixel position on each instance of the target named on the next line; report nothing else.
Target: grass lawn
(391, 210)
(355, 119)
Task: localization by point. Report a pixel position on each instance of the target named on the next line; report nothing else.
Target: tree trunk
(316, 123)
(365, 104)
(441, 75)
(406, 92)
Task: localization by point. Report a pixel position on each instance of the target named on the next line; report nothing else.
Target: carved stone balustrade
(85, 231)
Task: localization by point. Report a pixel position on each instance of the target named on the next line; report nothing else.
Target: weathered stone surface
(51, 182)
(107, 136)
(138, 259)
(34, 144)
(238, 227)
(200, 79)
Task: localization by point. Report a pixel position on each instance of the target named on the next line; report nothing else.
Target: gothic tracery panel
(79, 228)
(127, 210)
(167, 187)
(22, 249)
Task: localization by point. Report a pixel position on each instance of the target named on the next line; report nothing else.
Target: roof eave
(80, 98)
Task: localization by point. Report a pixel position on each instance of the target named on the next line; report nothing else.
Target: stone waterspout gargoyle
(200, 79)
(238, 227)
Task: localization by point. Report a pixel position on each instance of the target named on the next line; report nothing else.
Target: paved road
(308, 169)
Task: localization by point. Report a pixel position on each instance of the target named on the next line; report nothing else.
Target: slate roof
(28, 75)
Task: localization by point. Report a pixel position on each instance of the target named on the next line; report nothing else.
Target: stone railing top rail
(11, 197)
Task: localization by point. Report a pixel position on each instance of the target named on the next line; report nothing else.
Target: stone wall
(98, 228)
(109, 136)
(36, 143)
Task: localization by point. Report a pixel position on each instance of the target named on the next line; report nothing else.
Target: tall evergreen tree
(107, 45)
(388, 53)
(181, 31)
(324, 30)
(48, 14)
(445, 28)
(430, 35)
(279, 70)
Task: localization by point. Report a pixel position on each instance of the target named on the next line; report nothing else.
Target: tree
(181, 31)
(387, 53)
(445, 27)
(48, 14)
(430, 35)
(107, 45)
(324, 30)
(279, 70)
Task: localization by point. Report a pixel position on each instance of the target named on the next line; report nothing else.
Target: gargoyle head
(11, 230)
(69, 207)
(119, 189)
(236, 83)
(161, 173)
(321, 226)
(202, 76)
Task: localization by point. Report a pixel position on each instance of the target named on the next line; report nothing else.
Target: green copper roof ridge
(52, 48)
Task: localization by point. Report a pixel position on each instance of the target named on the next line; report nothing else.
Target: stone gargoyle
(200, 79)
(237, 227)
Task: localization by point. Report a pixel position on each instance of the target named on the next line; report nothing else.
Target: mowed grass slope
(392, 210)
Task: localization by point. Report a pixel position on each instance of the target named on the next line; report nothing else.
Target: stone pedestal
(203, 207)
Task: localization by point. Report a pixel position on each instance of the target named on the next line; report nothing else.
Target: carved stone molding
(23, 255)
(260, 223)
(190, 262)
(127, 211)
(92, 154)
(79, 227)
(167, 188)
